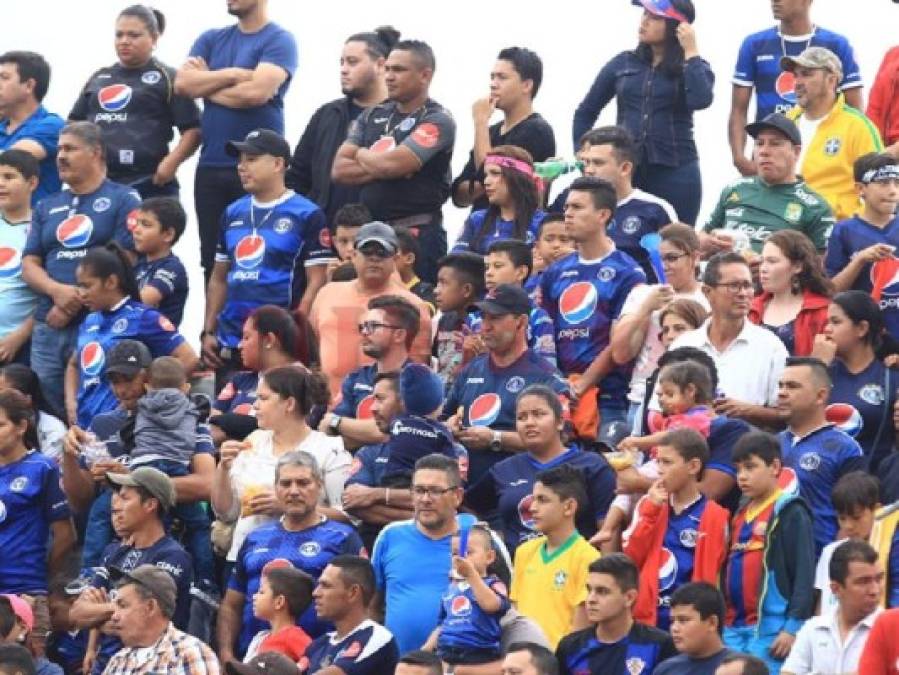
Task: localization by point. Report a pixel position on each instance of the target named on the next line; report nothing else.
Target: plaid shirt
(173, 653)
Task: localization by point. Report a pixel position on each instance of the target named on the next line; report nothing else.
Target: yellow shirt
(843, 136)
(549, 588)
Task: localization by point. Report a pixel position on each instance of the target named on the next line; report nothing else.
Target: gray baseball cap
(814, 57)
(378, 232)
(152, 480)
(156, 580)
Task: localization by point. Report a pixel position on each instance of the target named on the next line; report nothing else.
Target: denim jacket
(656, 108)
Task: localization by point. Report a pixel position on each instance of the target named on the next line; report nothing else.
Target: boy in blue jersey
(815, 453)
(18, 180)
(160, 275)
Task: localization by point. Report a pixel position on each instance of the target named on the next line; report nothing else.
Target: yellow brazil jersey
(841, 138)
(549, 588)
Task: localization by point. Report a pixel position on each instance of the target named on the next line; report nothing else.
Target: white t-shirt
(51, 432)
(807, 130)
(822, 577)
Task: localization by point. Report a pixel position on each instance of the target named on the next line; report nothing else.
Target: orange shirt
(336, 312)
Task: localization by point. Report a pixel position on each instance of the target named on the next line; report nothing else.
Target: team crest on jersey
(734, 196)
(120, 326)
(810, 461)
(283, 225)
(102, 204)
(832, 146)
(688, 537)
(515, 384)
(407, 124)
(2, 511)
(630, 225)
(606, 273)
(18, 484)
(310, 549)
(559, 579)
(872, 394)
(151, 77)
(793, 212)
(635, 665)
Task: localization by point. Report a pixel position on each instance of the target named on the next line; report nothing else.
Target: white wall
(573, 38)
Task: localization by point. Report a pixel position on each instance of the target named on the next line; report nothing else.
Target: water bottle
(555, 167)
(94, 450)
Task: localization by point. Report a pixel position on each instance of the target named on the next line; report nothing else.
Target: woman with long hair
(795, 292)
(50, 429)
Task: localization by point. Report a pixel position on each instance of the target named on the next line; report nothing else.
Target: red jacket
(810, 321)
(883, 99)
(644, 547)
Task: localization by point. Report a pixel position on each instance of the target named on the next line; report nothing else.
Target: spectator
(362, 85)
(667, 63)
(133, 103)
(860, 250)
(742, 664)
(91, 212)
(751, 209)
(508, 487)
(528, 658)
(513, 202)
(345, 226)
(273, 258)
(242, 73)
(343, 594)
(403, 166)
(758, 69)
(302, 538)
(18, 179)
(460, 283)
(553, 244)
(795, 292)
(107, 289)
(284, 595)
(25, 124)
(50, 429)
(267, 663)
(815, 452)
(881, 99)
(864, 388)
(748, 386)
(514, 82)
(408, 251)
(340, 305)
(144, 606)
(419, 662)
(880, 655)
(697, 619)
(834, 641)
(835, 133)
(245, 487)
(614, 641)
(15, 660)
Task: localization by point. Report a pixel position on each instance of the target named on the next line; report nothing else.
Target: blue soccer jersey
(369, 649)
(584, 298)
(541, 332)
(19, 300)
(813, 465)
(267, 247)
(472, 240)
(129, 320)
(637, 653)
(464, 624)
(637, 215)
(239, 394)
(65, 225)
(30, 501)
(758, 66)
(168, 276)
(370, 464)
(724, 432)
(309, 550)
(678, 552)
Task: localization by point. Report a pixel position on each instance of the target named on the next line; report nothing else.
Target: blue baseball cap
(678, 10)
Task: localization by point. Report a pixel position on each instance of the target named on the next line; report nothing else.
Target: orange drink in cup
(249, 492)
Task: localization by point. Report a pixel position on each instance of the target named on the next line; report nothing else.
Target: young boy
(769, 573)
(347, 222)
(460, 283)
(160, 276)
(18, 180)
(284, 594)
(549, 583)
(678, 535)
(553, 243)
(409, 251)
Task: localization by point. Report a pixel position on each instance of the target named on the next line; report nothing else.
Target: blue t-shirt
(19, 300)
(356, 392)
(508, 488)
(65, 225)
(638, 653)
(683, 663)
(369, 649)
(31, 499)
(584, 298)
(541, 332)
(43, 128)
(502, 230)
(813, 465)
(758, 66)
(853, 235)
(412, 571)
(724, 433)
(239, 395)
(309, 550)
(861, 404)
(267, 248)
(637, 215)
(130, 320)
(464, 624)
(168, 276)
(232, 48)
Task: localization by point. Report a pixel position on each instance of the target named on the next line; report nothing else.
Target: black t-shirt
(137, 109)
(341, 194)
(533, 133)
(429, 132)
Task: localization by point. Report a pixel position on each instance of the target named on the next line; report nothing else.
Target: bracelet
(387, 496)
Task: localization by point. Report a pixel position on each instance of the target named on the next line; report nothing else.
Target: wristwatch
(334, 424)
(496, 444)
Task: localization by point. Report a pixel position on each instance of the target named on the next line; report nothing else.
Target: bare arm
(33, 148)
(229, 623)
(316, 277)
(380, 514)
(357, 432)
(91, 609)
(77, 483)
(256, 91)
(12, 343)
(63, 541)
(222, 494)
(70, 387)
(346, 169)
(736, 128)
(854, 98)
(168, 165)
(187, 356)
(195, 80)
(399, 162)
(63, 295)
(716, 485)
(216, 291)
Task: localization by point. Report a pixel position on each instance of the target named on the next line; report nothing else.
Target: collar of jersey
(584, 261)
(751, 514)
(567, 544)
(798, 439)
(280, 200)
(555, 461)
(116, 307)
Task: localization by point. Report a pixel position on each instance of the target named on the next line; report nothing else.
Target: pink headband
(510, 163)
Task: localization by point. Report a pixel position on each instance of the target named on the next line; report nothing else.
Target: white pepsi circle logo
(578, 302)
(667, 570)
(525, 515)
(10, 262)
(484, 410)
(845, 417)
(788, 482)
(75, 231)
(460, 606)
(93, 360)
(115, 97)
(2, 511)
(785, 86)
(249, 251)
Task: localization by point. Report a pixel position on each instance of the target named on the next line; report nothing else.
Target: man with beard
(362, 83)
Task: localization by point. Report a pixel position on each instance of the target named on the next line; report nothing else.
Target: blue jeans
(681, 186)
(51, 349)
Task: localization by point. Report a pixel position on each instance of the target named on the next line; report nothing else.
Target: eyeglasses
(371, 326)
(375, 252)
(420, 491)
(673, 257)
(735, 287)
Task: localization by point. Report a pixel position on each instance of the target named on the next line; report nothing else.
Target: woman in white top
(243, 489)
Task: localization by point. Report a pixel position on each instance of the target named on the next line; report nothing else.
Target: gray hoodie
(165, 429)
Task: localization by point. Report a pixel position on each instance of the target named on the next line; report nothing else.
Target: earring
(795, 285)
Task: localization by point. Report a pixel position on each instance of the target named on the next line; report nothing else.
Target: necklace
(388, 130)
(808, 43)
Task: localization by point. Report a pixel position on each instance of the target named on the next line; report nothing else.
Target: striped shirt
(173, 653)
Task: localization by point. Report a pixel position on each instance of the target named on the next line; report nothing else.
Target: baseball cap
(779, 123)
(152, 480)
(267, 663)
(156, 580)
(378, 232)
(814, 57)
(668, 9)
(505, 299)
(260, 142)
(128, 357)
(611, 435)
(22, 610)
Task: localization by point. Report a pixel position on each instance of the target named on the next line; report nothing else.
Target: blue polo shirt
(42, 127)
